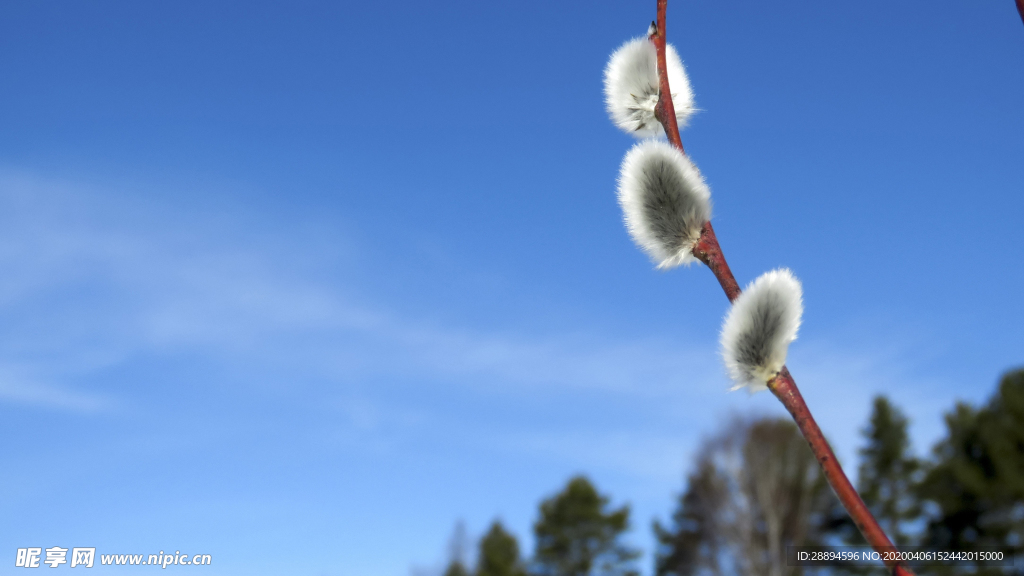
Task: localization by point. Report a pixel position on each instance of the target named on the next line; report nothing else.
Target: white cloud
(93, 279)
(16, 388)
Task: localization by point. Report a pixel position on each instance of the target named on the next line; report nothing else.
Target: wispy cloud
(16, 388)
(100, 281)
(93, 279)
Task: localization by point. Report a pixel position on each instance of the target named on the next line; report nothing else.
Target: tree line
(754, 488)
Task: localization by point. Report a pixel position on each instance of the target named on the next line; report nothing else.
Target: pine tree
(499, 554)
(977, 480)
(457, 545)
(456, 568)
(888, 471)
(695, 539)
(577, 536)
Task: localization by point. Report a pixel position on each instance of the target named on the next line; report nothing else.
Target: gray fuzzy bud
(757, 332)
(664, 200)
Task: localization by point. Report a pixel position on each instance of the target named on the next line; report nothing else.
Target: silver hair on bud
(631, 87)
(664, 200)
(757, 332)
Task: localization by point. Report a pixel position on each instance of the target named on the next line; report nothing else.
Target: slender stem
(786, 391)
(708, 251)
(665, 111)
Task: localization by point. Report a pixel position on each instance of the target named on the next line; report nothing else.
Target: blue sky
(300, 285)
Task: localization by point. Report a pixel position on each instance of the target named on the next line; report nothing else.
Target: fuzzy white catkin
(664, 200)
(631, 87)
(756, 334)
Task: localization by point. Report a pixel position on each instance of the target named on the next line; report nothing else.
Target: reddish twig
(708, 251)
(1020, 9)
(665, 111)
(786, 391)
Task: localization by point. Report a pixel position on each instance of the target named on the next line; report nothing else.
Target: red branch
(786, 391)
(708, 251)
(665, 111)
(1020, 9)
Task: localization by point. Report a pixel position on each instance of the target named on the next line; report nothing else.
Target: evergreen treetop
(577, 535)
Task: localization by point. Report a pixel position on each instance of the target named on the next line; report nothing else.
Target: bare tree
(756, 489)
